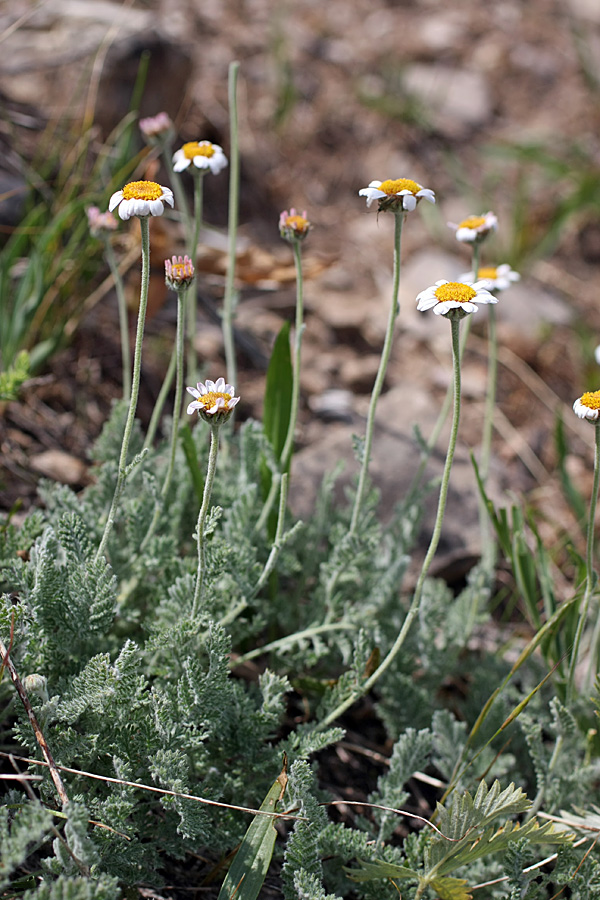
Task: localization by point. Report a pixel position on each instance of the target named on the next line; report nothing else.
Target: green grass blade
(189, 450)
(251, 863)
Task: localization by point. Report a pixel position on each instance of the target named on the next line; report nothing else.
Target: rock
(59, 466)
(454, 98)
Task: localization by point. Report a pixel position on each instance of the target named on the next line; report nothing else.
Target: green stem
(488, 546)
(270, 563)
(435, 537)
(161, 399)
(179, 342)
(443, 415)
(229, 299)
(291, 639)
(191, 297)
(135, 385)
(123, 318)
(590, 577)
(377, 387)
(208, 485)
(175, 179)
(288, 447)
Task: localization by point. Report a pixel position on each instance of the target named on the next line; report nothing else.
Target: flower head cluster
(446, 296)
(157, 129)
(495, 278)
(141, 198)
(203, 155)
(293, 226)
(101, 223)
(214, 400)
(475, 229)
(179, 272)
(588, 406)
(396, 194)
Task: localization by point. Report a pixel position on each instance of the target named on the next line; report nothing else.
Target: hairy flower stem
(135, 386)
(286, 453)
(208, 486)
(288, 447)
(488, 544)
(179, 347)
(191, 296)
(590, 575)
(161, 400)
(229, 299)
(175, 180)
(377, 387)
(123, 319)
(441, 419)
(435, 537)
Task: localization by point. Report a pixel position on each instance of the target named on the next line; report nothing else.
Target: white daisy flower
(400, 193)
(214, 400)
(141, 198)
(203, 155)
(475, 228)
(496, 278)
(445, 296)
(588, 406)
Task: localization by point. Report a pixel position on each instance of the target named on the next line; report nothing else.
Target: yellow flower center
(142, 190)
(180, 270)
(209, 400)
(298, 223)
(591, 399)
(488, 272)
(392, 187)
(473, 222)
(195, 149)
(454, 290)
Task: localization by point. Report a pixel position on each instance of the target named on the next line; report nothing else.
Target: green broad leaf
(189, 450)
(378, 868)
(278, 391)
(249, 868)
(451, 888)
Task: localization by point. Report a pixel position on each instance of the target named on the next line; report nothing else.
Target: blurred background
(492, 106)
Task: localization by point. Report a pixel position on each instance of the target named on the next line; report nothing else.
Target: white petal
(409, 202)
(193, 405)
(220, 385)
(375, 184)
(467, 235)
(124, 210)
(210, 386)
(115, 200)
(193, 392)
(233, 402)
(156, 207)
(182, 163)
(426, 194)
(202, 389)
